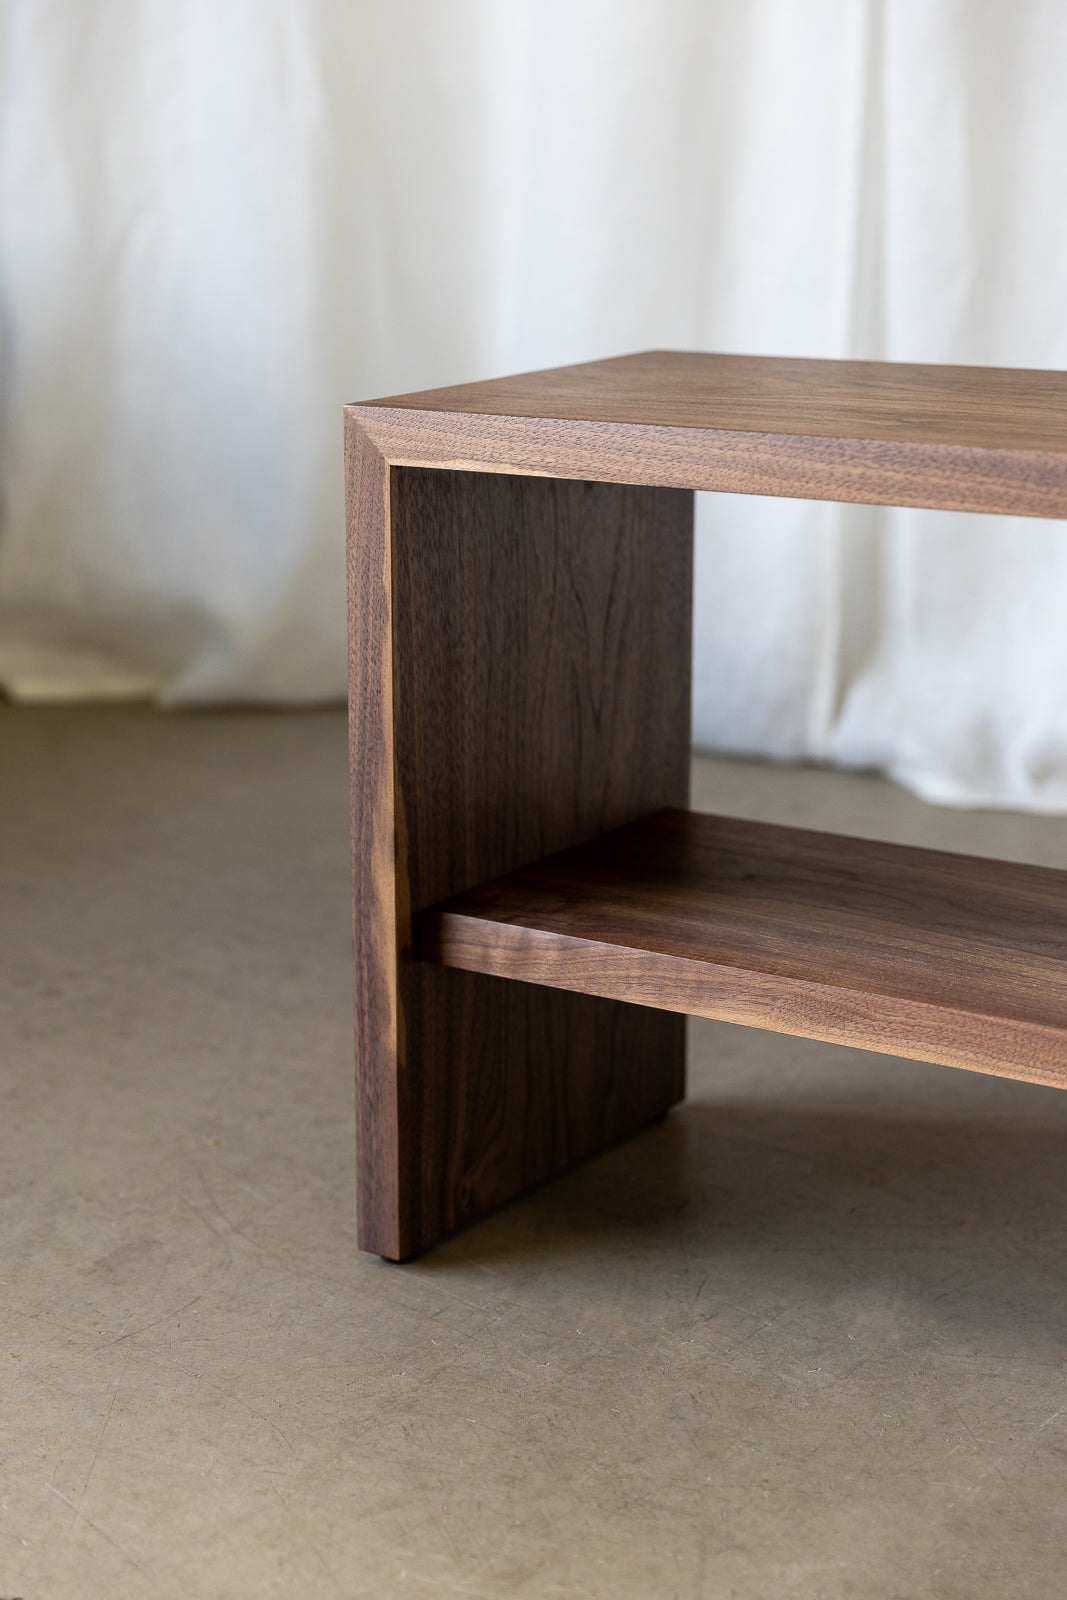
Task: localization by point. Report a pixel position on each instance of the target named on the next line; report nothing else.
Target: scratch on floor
(227, 1394)
(450, 1588)
(135, 1332)
(106, 1423)
(101, 1532)
(300, 1525)
(995, 1466)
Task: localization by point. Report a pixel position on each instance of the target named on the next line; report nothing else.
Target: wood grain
(522, 683)
(374, 899)
(911, 952)
(956, 438)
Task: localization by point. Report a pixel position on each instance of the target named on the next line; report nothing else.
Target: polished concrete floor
(803, 1339)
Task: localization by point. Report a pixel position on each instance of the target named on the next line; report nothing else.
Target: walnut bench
(535, 910)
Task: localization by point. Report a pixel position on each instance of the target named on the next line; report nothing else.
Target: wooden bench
(535, 910)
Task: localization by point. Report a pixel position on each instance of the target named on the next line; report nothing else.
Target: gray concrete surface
(803, 1339)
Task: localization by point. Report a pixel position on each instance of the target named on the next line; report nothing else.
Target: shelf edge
(886, 1024)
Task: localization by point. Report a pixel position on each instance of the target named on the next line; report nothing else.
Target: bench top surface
(962, 438)
(989, 407)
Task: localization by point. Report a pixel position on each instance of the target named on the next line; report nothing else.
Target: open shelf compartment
(921, 953)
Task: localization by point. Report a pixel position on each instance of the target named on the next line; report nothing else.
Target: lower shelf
(918, 953)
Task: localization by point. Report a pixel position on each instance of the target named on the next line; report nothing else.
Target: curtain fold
(220, 221)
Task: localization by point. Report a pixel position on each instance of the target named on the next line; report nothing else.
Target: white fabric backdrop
(223, 218)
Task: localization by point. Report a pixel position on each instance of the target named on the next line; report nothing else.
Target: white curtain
(220, 219)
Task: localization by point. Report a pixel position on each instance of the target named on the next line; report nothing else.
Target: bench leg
(520, 670)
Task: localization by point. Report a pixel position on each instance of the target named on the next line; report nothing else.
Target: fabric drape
(219, 221)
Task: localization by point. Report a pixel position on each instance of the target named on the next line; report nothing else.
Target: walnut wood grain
(956, 438)
(520, 682)
(374, 900)
(917, 953)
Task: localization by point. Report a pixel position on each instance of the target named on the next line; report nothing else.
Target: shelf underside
(918, 953)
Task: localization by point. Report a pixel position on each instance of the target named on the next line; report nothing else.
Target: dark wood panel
(913, 952)
(536, 639)
(370, 723)
(959, 438)
(505, 1085)
(542, 642)
(541, 678)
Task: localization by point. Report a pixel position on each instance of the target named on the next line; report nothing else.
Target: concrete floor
(803, 1339)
